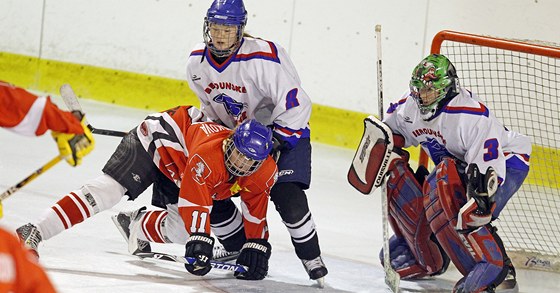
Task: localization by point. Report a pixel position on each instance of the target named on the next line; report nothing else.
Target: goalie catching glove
(73, 147)
(478, 210)
(200, 247)
(254, 255)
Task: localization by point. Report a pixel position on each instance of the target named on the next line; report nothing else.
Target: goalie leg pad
(476, 255)
(408, 220)
(489, 271)
(445, 195)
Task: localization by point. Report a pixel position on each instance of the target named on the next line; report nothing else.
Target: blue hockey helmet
(229, 13)
(247, 148)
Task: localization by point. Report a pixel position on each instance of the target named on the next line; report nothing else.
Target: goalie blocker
(373, 156)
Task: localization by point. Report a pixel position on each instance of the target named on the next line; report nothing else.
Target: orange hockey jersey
(27, 114)
(190, 153)
(19, 271)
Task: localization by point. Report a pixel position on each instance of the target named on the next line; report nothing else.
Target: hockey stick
(392, 278)
(191, 260)
(71, 101)
(30, 178)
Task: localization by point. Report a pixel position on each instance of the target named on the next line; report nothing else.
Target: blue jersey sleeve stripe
(516, 163)
(197, 53)
(272, 56)
(482, 111)
(394, 106)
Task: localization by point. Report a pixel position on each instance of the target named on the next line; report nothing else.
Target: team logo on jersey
(437, 151)
(233, 107)
(200, 170)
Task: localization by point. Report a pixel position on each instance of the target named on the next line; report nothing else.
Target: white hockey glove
(478, 210)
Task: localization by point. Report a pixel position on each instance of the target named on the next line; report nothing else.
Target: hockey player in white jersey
(237, 77)
(447, 214)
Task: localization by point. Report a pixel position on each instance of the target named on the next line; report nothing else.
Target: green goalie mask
(433, 82)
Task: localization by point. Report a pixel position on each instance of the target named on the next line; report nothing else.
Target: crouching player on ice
(444, 215)
(192, 165)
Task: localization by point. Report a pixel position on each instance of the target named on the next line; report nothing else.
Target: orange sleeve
(255, 200)
(19, 269)
(27, 114)
(58, 120)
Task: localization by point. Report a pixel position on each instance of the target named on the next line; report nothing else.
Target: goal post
(520, 82)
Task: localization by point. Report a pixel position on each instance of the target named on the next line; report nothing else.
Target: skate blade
(119, 227)
(321, 282)
(508, 286)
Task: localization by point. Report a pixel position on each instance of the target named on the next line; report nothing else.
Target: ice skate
(509, 285)
(316, 270)
(30, 236)
(127, 223)
(221, 254)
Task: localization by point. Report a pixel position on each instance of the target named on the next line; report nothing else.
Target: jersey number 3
(491, 146)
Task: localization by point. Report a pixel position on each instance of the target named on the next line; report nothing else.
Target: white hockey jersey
(464, 129)
(258, 81)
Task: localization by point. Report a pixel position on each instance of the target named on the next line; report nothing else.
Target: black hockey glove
(254, 255)
(199, 246)
(477, 211)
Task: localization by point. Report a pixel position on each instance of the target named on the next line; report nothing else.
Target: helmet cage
(229, 13)
(235, 44)
(236, 162)
(247, 147)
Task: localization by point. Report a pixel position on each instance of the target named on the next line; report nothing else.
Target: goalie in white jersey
(237, 77)
(446, 214)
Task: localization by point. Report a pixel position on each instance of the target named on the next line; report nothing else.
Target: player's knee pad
(102, 193)
(227, 224)
(290, 201)
(408, 220)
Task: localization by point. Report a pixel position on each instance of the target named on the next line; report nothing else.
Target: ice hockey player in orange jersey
(19, 270)
(192, 165)
(25, 113)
